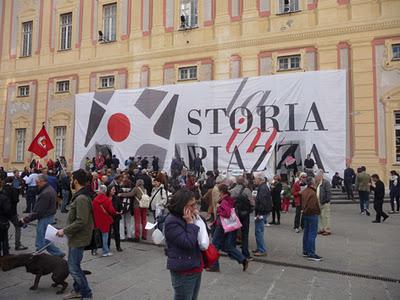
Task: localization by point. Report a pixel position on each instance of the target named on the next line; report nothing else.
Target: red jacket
(295, 192)
(103, 212)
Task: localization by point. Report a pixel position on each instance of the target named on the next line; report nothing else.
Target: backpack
(144, 201)
(242, 204)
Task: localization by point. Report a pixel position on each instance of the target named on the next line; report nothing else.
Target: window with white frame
(20, 144)
(60, 133)
(65, 31)
(187, 73)
(110, 22)
(63, 86)
(291, 62)
(26, 49)
(107, 82)
(288, 6)
(189, 13)
(23, 91)
(396, 52)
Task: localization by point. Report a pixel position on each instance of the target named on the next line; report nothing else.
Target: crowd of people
(105, 201)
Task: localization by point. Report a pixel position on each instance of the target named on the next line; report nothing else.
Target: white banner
(232, 124)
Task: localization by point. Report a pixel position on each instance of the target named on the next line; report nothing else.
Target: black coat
(13, 196)
(349, 175)
(263, 200)
(276, 194)
(5, 208)
(379, 191)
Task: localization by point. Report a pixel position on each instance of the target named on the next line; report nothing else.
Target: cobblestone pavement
(356, 246)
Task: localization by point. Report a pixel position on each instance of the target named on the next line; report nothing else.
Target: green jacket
(362, 182)
(80, 221)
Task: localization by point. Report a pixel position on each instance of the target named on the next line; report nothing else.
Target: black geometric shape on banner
(149, 100)
(103, 97)
(150, 150)
(163, 127)
(96, 114)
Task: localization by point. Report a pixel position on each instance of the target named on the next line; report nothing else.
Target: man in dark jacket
(155, 164)
(144, 163)
(276, 189)
(44, 211)
(115, 163)
(349, 178)
(263, 206)
(378, 187)
(13, 194)
(198, 163)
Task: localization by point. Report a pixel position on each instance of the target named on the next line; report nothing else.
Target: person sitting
(337, 181)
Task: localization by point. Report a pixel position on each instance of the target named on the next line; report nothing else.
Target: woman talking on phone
(182, 248)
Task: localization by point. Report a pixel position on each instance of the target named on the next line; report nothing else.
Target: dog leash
(41, 250)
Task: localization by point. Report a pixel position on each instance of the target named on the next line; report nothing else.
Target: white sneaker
(107, 254)
(267, 225)
(297, 230)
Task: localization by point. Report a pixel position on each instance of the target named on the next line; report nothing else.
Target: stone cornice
(269, 39)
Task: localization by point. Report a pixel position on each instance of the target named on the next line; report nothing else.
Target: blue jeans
(259, 232)
(104, 236)
(186, 287)
(65, 197)
(31, 193)
(81, 285)
(310, 234)
(227, 242)
(364, 200)
(40, 234)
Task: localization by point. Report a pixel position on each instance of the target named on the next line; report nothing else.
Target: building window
(187, 73)
(396, 51)
(189, 13)
(110, 22)
(60, 137)
(23, 91)
(20, 144)
(63, 86)
(107, 82)
(65, 31)
(288, 62)
(288, 6)
(27, 38)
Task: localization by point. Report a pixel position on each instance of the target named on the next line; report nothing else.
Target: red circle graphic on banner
(118, 127)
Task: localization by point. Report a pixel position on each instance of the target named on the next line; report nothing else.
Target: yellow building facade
(52, 49)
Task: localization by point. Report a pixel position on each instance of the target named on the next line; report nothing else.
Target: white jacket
(158, 198)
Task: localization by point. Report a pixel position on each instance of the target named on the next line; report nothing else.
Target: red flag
(41, 144)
